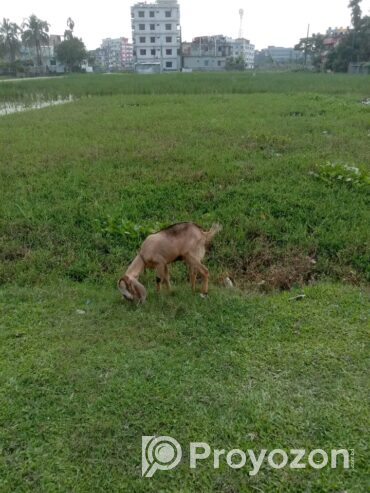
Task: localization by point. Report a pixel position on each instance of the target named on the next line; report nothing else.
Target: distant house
(86, 67)
(333, 37)
(49, 60)
(206, 53)
(360, 68)
(282, 55)
(277, 56)
(115, 54)
(211, 53)
(98, 59)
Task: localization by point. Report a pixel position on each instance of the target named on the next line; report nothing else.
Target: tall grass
(196, 83)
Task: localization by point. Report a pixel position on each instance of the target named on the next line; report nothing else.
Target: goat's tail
(215, 228)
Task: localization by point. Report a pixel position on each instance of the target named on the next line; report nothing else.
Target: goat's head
(132, 289)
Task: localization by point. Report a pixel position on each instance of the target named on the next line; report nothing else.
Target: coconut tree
(68, 33)
(354, 5)
(35, 33)
(9, 39)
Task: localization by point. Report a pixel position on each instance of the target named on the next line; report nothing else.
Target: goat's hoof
(204, 295)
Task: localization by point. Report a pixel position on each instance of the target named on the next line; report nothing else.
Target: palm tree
(68, 33)
(356, 13)
(35, 33)
(9, 32)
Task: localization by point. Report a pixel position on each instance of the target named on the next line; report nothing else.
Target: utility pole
(181, 52)
(305, 48)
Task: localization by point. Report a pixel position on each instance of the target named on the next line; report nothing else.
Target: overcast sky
(266, 22)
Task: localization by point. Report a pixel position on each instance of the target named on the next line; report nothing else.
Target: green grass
(83, 183)
(196, 83)
(235, 371)
(243, 160)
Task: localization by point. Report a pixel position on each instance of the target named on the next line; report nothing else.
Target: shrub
(343, 173)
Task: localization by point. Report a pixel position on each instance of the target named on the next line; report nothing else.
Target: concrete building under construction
(213, 52)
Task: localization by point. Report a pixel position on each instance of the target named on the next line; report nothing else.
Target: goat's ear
(139, 289)
(124, 281)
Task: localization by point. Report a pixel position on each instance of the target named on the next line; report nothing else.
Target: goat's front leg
(196, 266)
(193, 277)
(167, 277)
(204, 274)
(161, 275)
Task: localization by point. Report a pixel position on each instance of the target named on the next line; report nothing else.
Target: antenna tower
(241, 15)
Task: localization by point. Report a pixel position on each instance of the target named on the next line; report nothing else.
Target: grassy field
(196, 83)
(84, 375)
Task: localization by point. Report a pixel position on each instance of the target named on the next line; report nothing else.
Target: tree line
(352, 45)
(34, 33)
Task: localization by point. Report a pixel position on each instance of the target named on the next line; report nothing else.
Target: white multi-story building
(126, 53)
(243, 47)
(156, 36)
(116, 53)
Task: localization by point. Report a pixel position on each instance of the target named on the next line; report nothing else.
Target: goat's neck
(136, 267)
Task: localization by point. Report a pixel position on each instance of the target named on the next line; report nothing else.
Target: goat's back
(180, 229)
(173, 242)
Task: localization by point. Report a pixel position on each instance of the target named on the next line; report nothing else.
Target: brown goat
(182, 241)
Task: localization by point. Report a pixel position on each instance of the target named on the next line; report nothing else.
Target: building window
(168, 39)
(141, 13)
(168, 13)
(168, 64)
(152, 52)
(152, 39)
(141, 27)
(142, 39)
(152, 27)
(151, 13)
(168, 51)
(142, 52)
(168, 27)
